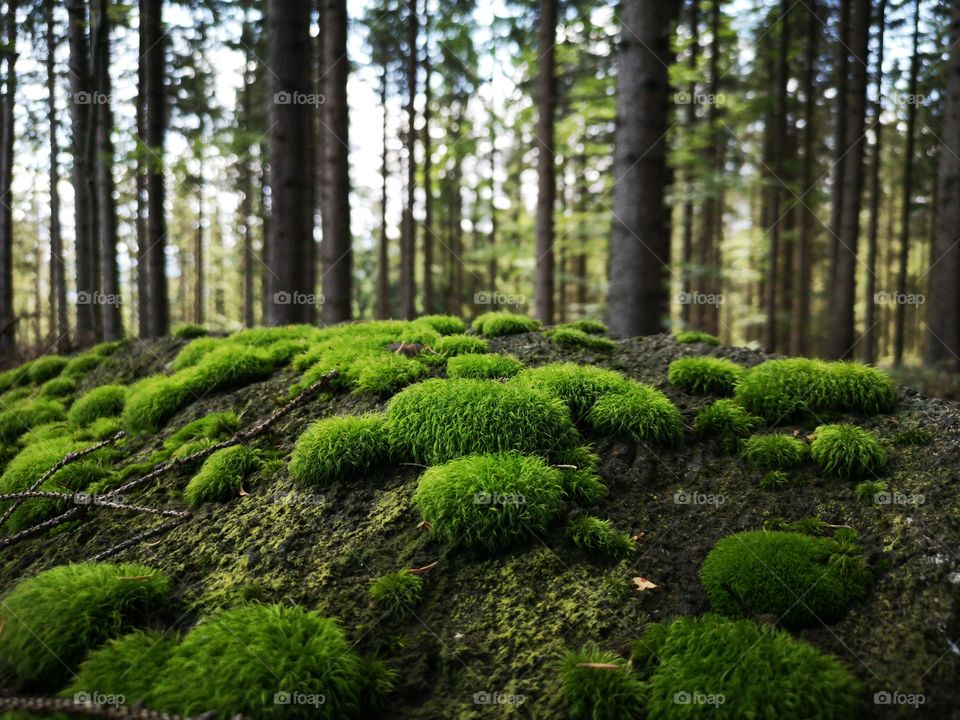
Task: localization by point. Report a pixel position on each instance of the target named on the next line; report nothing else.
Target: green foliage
(578, 386)
(188, 331)
(593, 327)
(26, 414)
(57, 388)
(47, 431)
(452, 345)
(705, 375)
(213, 427)
(848, 451)
(774, 480)
(10, 379)
(396, 592)
(81, 365)
(444, 324)
(499, 324)
(438, 420)
(601, 693)
(869, 489)
(641, 413)
(571, 337)
(728, 421)
(601, 537)
(102, 402)
(579, 467)
(46, 367)
(385, 373)
(483, 367)
(194, 351)
(749, 671)
(912, 436)
(99, 429)
(106, 349)
(152, 401)
(694, 336)
(777, 451)
(52, 619)
(221, 475)
(340, 447)
(785, 574)
(490, 501)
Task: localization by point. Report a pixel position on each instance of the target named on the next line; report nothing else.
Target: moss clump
(869, 489)
(340, 447)
(912, 436)
(221, 475)
(57, 388)
(600, 536)
(776, 452)
(705, 375)
(452, 345)
(188, 331)
(774, 480)
(578, 386)
(728, 421)
(641, 413)
(46, 367)
(499, 324)
(385, 373)
(737, 668)
(592, 327)
(694, 336)
(397, 592)
(81, 365)
(194, 351)
(40, 433)
(789, 575)
(102, 402)
(444, 324)
(571, 337)
(27, 414)
(482, 367)
(599, 685)
(213, 427)
(579, 467)
(489, 501)
(10, 379)
(848, 451)
(52, 619)
(99, 429)
(250, 660)
(438, 420)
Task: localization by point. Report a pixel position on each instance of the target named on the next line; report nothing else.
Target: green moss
(57, 388)
(600, 536)
(694, 336)
(867, 490)
(52, 619)
(194, 351)
(444, 324)
(579, 468)
(81, 365)
(213, 427)
(571, 337)
(99, 429)
(489, 501)
(728, 421)
(912, 436)
(106, 401)
(499, 324)
(250, 660)
(438, 420)
(221, 475)
(46, 367)
(10, 379)
(641, 413)
(774, 480)
(188, 331)
(785, 574)
(578, 386)
(152, 401)
(777, 451)
(397, 592)
(848, 451)
(385, 373)
(710, 666)
(27, 414)
(40, 433)
(452, 345)
(593, 690)
(705, 375)
(340, 447)
(593, 327)
(481, 367)
(105, 349)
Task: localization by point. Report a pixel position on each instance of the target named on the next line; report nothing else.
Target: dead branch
(130, 542)
(78, 708)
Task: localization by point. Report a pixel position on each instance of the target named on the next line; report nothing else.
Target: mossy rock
(572, 337)
(453, 345)
(591, 327)
(58, 387)
(483, 367)
(848, 451)
(499, 324)
(81, 365)
(695, 336)
(213, 427)
(705, 375)
(221, 476)
(728, 421)
(641, 413)
(444, 324)
(188, 331)
(46, 368)
(578, 386)
(340, 447)
(27, 414)
(775, 452)
(100, 402)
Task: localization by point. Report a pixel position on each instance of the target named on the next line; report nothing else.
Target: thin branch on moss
(70, 706)
(146, 535)
(45, 525)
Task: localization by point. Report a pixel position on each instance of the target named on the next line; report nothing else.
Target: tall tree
(7, 136)
(640, 242)
(691, 119)
(383, 248)
(427, 177)
(59, 327)
(543, 281)
(408, 227)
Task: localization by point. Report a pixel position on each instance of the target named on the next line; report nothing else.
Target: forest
(428, 359)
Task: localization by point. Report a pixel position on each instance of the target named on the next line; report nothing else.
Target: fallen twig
(89, 499)
(130, 542)
(45, 525)
(77, 707)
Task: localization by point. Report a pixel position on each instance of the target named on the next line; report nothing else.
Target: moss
(213, 427)
(221, 475)
(705, 375)
(578, 386)
(152, 401)
(188, 331)
(46, 367)
(489, 501)
(339, 447)
(81, 365)
(452, 345)
(438, 420)
(848, 451)
(194, 351)
(774, 480)
(571, 337)
(444, 324)
(695, 336)
(52, 619)
(868, 490)
(599, 685)
(106, 401)
(99, 429)
(483, 367)
(253, 660)
(385, 373)
(601, 537)
(776, 452)
(785, 574)
(728, 421)
(397, 592)
(499, 324)
(57, 388)
(10, 379)
(106, 349)
(912, 436)
(40, 433)
(27, 414)
(739, 669)
(641, 413)
(579, 468)
(592, 327)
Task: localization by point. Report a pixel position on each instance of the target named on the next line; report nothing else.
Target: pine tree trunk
(143, 273)
(543, 280)
(691, 120)
(383, 251)
(245, 179)
(59, 328)
(427, 191)
(408, 229)
(492, 239)
(7, 139)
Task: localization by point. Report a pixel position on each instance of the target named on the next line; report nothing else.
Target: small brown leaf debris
(639, 536)
(243, 492)
(424, 525)
(643, 584)
(424, 569)
(599, 666)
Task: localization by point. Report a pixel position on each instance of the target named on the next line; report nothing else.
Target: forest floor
(500, 623)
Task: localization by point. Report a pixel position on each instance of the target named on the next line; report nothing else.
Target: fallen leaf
(643, 584)
(599, 666)
(425, 525)
(424, 569)
(639, 536)
(243, 492)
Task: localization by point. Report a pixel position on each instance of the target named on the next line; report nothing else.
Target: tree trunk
(640, 243)
(841, 71)
(245, 179)
(199, 259)
(289, 247)
(455, 287)
(427, 188)
(543, 280)
(337, 241)
(143, 274)
(7, 139)
(492, 240)
(840, 320)
(943, 305)
(59, 328)
(691, 120)
(383, 261)
(408, 229)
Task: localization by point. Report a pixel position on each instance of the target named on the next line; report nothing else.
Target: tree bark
(7, 139)
(640, 243)
(143, 274)
(691, 120)
(245, 179)
(543, 279)
(427, 186)
(383, 250)
(59, 327)
(408, 229)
